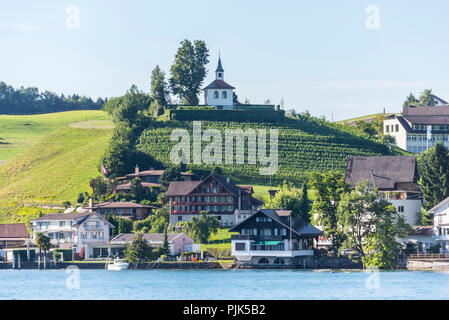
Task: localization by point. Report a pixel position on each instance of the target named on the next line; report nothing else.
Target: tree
(159, 92)
(329, 188)
(371, 225)
(165, 248)
(100, 188)
(169, 175)
(434, 171)
(138, 249)
(189, 70)
(137, 191)
(160, 220)
(426, 99)
(43, 242)
(367, 127)
(201, 228)
(411, 101)
(217, 170)
(304, 204)
(289, 198)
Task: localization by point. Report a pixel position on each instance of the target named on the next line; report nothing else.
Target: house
(273, 237)
(216, 195)
(178, 242)
(130, 210)
(421, 239)
(73, 230)
(396, 178)
(150, 179)
(13, 235)
(441, 224)
(419, 128)
(218, 93)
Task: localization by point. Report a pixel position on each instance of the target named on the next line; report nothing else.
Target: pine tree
(165, 248)
(434, 166)
(304, 204)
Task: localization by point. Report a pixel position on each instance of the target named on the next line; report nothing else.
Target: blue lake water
(222, 284)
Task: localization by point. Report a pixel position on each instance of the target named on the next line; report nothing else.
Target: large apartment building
(419, 128)
(216, 195)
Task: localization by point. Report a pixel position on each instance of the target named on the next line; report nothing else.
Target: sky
(338, 59)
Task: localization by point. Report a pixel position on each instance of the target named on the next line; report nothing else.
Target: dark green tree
(138, 250)
(411, 101)
(137, 191)
(159, 92)
(170, 174)
(305, 204)
(165, 248)
(189, 70)
(434, 171)
(43, 242)
(329, 188)
(203, 226)
(426, 99)
(289, 198)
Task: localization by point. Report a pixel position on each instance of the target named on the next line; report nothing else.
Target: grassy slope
(19, 133)
(55, 169)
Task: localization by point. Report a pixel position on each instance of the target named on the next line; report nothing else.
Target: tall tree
(426, 99)
(305, 204)
(201, 228)
(170, 174)
(165, 248)
(411, 101)
(371, 226)
(159, 92)
(434, 172)
(289, 198)
(189, 70)
(329, 188)
(43, 242)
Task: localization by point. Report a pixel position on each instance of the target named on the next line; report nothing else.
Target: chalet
(216, 195)
(273, 237)
(73, 230)
(178, 242)
(130, 210)
(419, 128)
(13, 235)
(396, 177)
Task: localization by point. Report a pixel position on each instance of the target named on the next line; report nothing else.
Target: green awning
(267, 243)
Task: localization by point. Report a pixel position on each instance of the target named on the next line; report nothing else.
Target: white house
(219, 94)
(419, 128)
(441, 224)
(73, 230)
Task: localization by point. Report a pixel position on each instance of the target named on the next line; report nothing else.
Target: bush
(65, 253)
(261, 115)
(221, 254)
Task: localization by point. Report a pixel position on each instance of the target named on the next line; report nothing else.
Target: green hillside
(305, 145)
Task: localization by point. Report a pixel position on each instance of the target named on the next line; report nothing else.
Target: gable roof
(123, 205)
(439, 205)
(14, 230)
(382, 172)
(127, 186)
(153, 172)
(151, 237)
(298, 226)
(63, 216)
(219, 84)
(181, 188)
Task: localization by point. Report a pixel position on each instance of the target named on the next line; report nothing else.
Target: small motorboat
(117, 265)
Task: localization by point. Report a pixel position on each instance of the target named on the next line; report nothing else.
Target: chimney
(136, 170)
(91, 204)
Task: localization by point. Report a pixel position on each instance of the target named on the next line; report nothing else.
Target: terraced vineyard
(304, 145)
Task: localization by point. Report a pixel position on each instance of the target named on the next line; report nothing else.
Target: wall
(411, 208)
(400, 136)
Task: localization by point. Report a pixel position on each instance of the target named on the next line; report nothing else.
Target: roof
(298, 226)
(153, 172)
(219, 67)
(439, 205)
(382, 172)
(63, 216)
(14, 230)
(248, 189)
(151, 237)
(122, 205)
(439, 99)
(127, 186)
(219, 84)
(181, 188)
(423, 230)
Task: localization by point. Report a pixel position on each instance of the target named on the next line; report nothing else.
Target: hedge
(23, 254)
(259, 115)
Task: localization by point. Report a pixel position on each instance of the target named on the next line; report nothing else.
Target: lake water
(222, 284)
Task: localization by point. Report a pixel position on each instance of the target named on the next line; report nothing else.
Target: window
(61, 223)
(218, 217)
(179, 218)
(397, 128)
(216, 94)
(387, 129)
(224, 95)
(219, 74)
(240, 246)
(400, 208)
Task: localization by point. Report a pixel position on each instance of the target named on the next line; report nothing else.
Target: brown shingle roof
(181, 188)
(122, 205)
(63, 216)
(127, 186)
(386, 171)
(219, 84)
(14, 230)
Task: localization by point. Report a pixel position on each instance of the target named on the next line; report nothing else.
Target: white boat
(118, 264)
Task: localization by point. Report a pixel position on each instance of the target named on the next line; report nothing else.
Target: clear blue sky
(318, 55)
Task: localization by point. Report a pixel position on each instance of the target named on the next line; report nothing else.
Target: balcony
(442, 237)
(256, 238)
(279, 253)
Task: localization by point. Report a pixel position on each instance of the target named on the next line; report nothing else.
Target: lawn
(221, 240)
(18, 133)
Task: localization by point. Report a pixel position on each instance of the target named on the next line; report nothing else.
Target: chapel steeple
(219, 73)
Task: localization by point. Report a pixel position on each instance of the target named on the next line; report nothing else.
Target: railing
(429, 256)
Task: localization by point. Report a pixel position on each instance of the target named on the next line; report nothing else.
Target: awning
(267, 243)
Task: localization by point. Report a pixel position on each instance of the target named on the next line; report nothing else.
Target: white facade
(441, 224)
(409, 209)
(220, 98)
(68, 233)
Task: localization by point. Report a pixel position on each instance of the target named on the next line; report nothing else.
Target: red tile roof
(219, 84)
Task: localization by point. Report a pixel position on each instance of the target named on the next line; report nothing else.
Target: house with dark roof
(396, 177)
(75, 230)
(419, 128)
(275, 237)
(130, 210)
(216, 195)
(218, 93)
(13, 235)
(178, 242)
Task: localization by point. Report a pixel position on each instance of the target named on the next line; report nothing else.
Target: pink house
(179, 242)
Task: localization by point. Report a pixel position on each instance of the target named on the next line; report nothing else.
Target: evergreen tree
(434, 171)
(304, 204)
(138, 249)
(426, 99)
(165, 248)
(159, 92)
(411, 101)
